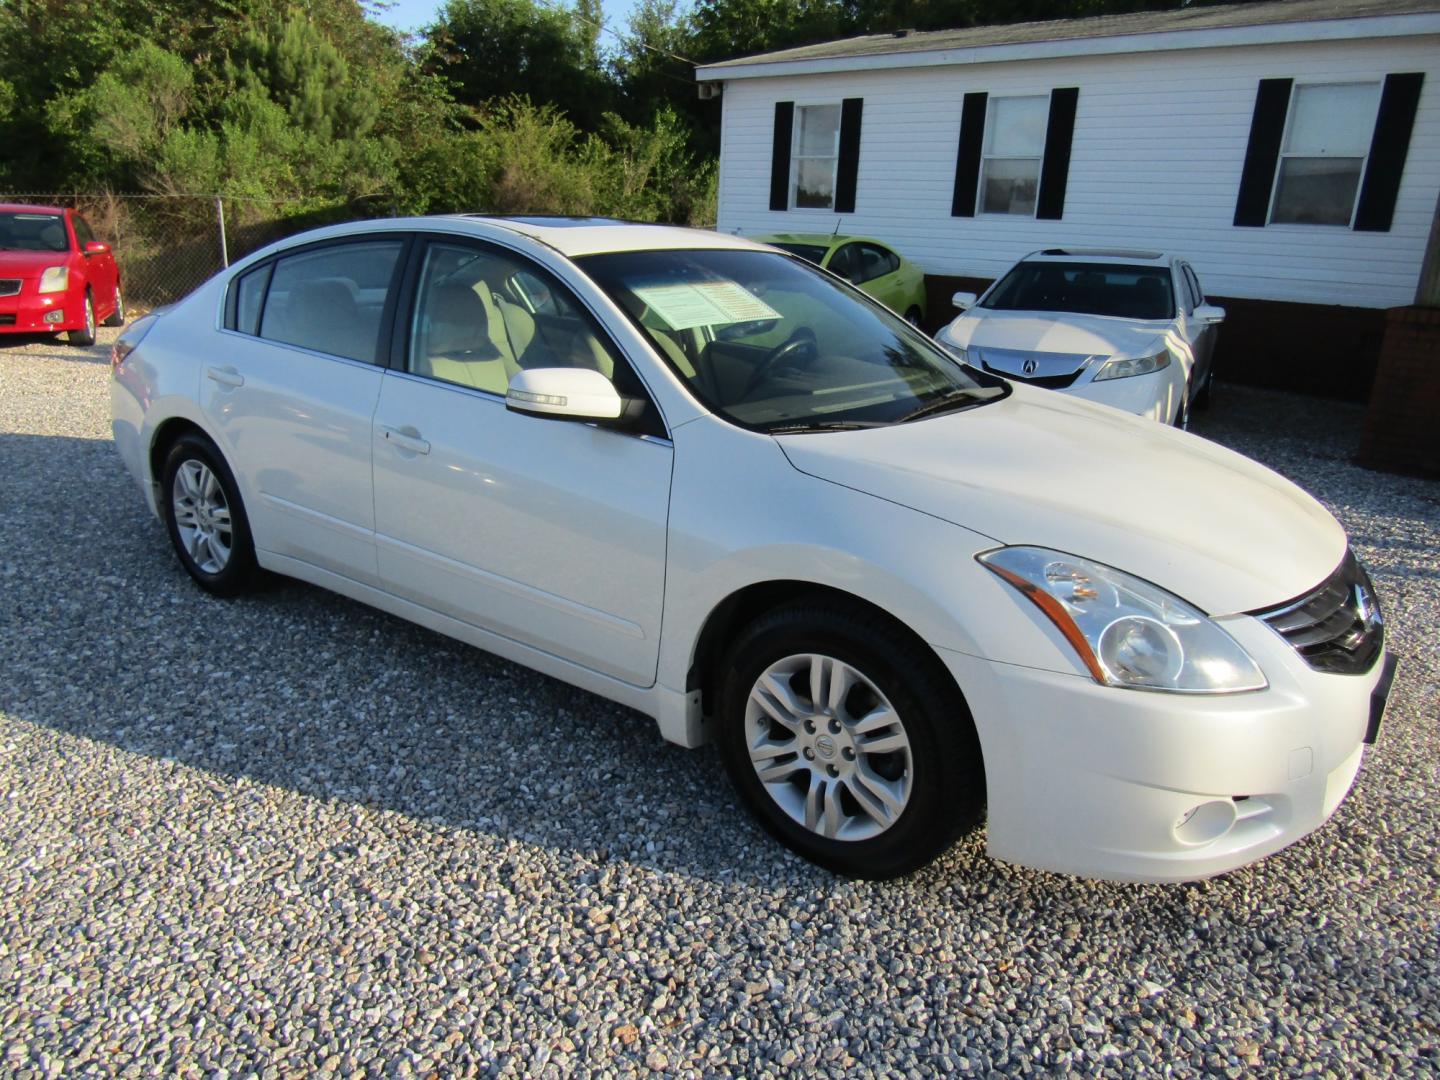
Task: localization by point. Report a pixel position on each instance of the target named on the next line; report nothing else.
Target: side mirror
(95, 247)
(1209, 313)
(963, 300)
(567, 394)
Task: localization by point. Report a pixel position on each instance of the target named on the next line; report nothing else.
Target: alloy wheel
(202, 516)
(828, 747)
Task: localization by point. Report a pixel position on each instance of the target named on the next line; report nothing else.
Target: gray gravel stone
(289, 834)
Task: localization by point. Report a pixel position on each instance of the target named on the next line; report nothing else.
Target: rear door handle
(225, 376)
(406, 439)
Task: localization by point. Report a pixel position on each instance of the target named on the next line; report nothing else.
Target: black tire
(1182, 412)
(947, 793)
(239, 572)
(1202, 396)
(116, 317)
(85, 336)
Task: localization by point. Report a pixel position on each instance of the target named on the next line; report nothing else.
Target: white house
(1290, 150)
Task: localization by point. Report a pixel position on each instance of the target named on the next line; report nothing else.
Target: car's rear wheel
(847, 746)
(85, 336)
(117, 317)
(205, 518)
(1182, 412)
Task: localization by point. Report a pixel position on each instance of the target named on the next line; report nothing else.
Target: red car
(54, 274)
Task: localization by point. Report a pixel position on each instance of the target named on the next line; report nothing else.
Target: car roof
(576, 236)
(1116, 255)
(30, 208)
(825, 240)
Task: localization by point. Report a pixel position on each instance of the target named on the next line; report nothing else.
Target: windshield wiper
(824, 425)
(955, 399)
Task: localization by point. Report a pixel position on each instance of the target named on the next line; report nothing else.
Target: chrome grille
(1337, 626)
(10, 286)
(1049, 382)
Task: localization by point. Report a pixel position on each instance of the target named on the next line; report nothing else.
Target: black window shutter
(1055, 169)
(1267, 128)
(849, 164)
(780, 156)
(967, 158)
(1388, 149)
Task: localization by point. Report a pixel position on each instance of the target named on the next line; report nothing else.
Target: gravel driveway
(288, 833)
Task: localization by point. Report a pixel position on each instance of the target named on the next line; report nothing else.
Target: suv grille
(10, 286)
(1335, 627)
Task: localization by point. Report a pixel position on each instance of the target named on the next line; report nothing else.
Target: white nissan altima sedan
(704, 479)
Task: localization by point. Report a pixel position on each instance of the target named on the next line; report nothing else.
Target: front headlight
(1125, 367)
(55, 279)
(1127, 632)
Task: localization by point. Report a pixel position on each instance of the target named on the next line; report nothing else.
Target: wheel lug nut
(835, 727)
(810, 727)
(809, 754)
(832, 770)
(849, 754)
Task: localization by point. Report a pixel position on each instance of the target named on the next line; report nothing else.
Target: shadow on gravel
(54, 347)
(105, 637)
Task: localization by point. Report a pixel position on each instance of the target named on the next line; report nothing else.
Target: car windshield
(775, 345)
(1125, 292)
(814, 253)
(32, 232)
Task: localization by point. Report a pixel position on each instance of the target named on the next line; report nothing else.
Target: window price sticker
(706, 303)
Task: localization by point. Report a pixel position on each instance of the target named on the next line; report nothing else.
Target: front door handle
(406, 438)
(225, 376)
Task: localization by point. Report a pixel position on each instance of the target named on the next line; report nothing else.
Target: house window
(816, 153)
(1322, 157)
(1014, 150)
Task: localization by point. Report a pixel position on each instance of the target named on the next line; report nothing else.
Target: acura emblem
(1030, 367)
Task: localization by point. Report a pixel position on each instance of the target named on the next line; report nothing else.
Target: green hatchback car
(867, 264)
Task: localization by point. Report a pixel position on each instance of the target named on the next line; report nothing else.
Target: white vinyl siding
(1159, 146)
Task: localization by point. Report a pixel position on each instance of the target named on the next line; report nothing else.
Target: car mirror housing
(963, 300)
(1209, 313)
(567, 394)
(95, 247)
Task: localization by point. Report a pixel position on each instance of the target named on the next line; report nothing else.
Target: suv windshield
(774, 345)
(1126, 292)
(32, 232)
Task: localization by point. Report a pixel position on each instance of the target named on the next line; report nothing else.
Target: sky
(413, 14)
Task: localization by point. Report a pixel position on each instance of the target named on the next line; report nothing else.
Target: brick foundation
(1402, 424)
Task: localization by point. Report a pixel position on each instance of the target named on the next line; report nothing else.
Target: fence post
(220, 217)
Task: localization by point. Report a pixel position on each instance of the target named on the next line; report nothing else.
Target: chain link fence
(166, 245)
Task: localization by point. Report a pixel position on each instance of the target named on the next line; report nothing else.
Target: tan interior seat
(462, 346)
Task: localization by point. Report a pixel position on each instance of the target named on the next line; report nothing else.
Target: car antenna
(836, 231)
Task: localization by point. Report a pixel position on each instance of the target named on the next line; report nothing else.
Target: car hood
(1211, 526)
(28, 264)
(1041, 332)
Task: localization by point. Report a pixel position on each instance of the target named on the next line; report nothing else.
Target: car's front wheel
(85, 336)
(848, 745)
(205, 518)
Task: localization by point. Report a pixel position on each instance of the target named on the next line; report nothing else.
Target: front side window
(814, 253)
(772, 344)
(1327, 138)
(82, 232)
(20, 231)
(817, 150)
(1014, 149)
(1125, 292)
(331, 299)
(482, 315)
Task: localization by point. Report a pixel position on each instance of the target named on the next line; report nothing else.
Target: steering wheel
(799, 347)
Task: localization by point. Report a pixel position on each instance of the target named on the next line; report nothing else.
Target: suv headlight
(1125, 367)
(1127, 632)
(55, 279)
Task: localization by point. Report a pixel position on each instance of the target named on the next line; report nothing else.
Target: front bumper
(26, 312)
(1141, 786)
